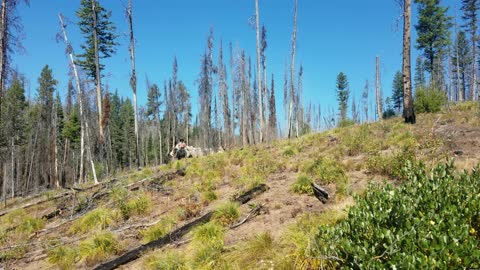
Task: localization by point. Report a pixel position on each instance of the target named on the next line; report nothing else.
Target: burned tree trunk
(408, 110)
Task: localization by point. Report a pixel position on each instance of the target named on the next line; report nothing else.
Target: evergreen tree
(13, 114)
(99, 34)
(470, 12)
(72, 128)
(433, 30)
(342, 95)
(462, 59)
(397, 91)
(128, 133)
(46, 88)
(273, 111)
(419, 78)
(389, 112)
(105, 31)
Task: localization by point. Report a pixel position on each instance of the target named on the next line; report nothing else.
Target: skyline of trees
(56, 142)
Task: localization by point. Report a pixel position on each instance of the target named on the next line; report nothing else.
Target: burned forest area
(132, 143)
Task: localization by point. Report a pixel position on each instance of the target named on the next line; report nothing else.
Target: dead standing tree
(408, 110)
(292, 72)
(259, 76)
(133, 78)
(84, 123)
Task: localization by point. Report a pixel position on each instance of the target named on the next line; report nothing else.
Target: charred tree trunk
(408, 110)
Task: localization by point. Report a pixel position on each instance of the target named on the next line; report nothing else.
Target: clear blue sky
(333, 36)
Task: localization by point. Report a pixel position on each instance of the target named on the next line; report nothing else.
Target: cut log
(175, 235)
(320, 193)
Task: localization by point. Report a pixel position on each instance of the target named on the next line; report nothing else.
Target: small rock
(458, 152)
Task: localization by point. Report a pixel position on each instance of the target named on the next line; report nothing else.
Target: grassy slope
(343, 160)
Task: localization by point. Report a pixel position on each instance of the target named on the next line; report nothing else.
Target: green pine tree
(343, 93)
(13, 114)
(47, 86)
(397, 91)
(419, 78)
(433, 31)
(462, 55)
(105, 35)
(72, 128)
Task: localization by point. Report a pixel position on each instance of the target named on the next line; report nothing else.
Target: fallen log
(173, 236)
(320, 193)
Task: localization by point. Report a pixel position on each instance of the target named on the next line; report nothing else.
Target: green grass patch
(169, 260)
(226, 213)
(63, 257)
(98, 219)
(303, 185)
(99, 247)
(159, 230)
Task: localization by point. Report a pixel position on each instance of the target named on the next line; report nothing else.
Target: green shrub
(98, 247)
(63, 257)
(98, 219)
(158, 230)
(325, 170)
(170, 260)
(303, 185)
(392, 165)
(429, 100)
(429, 222)
(226, 213)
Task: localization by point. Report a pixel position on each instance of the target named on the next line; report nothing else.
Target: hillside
(273, 227)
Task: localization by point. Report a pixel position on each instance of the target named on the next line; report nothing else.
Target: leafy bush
(170, 260)
(303, 185)
(63, 257)
(429, 100)
(158, 230)
(429, 222)
(392, 165)
(100, 218)
(226, 213)
(99, 247)
(324, 171)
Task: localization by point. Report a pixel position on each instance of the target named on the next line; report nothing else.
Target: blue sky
(333, 36)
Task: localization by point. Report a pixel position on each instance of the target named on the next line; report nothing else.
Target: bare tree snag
(377, 89)
(84, 123)
(292, 72)
(259, 76)
(408, 110)
(133, 78)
